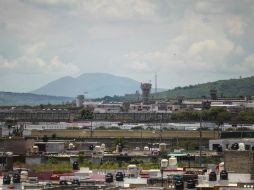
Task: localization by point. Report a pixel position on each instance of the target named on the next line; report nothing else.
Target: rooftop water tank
(91, 147)
(179, 185)
(164, 163)
(109, 178)
(103, 147)
(24, 175)
(137, 148)
(75, 182)
(119, 176)
(241, 147)
(132, 170)
(16, 178)
(146, 148)
(6, 180)
(191, 184)
(162, 147)
(35, 149)
(172, 162)
(132, 166)
(97, 148)
(235, 146)
(75, 165)
(223, 175)
(71, 146)
(212, 176)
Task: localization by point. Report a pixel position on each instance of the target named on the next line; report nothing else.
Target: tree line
(217, 115)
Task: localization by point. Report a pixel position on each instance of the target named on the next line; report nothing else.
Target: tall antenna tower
(155, 81)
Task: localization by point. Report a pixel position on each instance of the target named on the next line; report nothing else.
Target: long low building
(226, 144)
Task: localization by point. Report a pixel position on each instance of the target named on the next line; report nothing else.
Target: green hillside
(225, 88)
(10, 98)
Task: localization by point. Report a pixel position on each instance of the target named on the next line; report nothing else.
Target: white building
(46, 126)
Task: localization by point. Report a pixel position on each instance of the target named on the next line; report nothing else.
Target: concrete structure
(34, 159)
(52, 147)
(239, 162)
(55, 147)
(108, 108)
(18, 146)
(80, 100)
(146, 89)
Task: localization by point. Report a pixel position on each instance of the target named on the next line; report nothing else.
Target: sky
(183, 41)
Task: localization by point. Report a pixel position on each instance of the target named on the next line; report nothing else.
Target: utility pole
(155, 86)
(200, 142)
(160, 129)
(141, 136)
(91, 129)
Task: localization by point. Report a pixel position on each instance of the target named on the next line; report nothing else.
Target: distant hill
(225, 88)
(15, 99)
(95, 84)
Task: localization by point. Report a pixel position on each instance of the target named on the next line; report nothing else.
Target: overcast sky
(185, 42)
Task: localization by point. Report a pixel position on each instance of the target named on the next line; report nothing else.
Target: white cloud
(197, 47)
(31, 61)
(138, 66)
(115, 9)
(248, 62)
(238, 50)
(54, 2)
(37, 65)
(236, 26)
(35, 48)
(101, 9)
(5, 64)
(67, 37)
(221, 48)
(205, 45)
(66, 68)
(209, 7)
(107, 32)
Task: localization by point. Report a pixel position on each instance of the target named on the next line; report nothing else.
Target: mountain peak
(95, 84)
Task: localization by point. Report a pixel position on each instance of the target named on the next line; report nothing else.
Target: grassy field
(125, 133)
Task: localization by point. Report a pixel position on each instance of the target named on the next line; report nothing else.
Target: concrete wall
(125, 133)
(32, 160)
(16, 145)
(239, 161)
(55, 147)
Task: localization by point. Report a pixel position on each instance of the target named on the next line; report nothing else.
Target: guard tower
(146, 89)
(80, 100)
(213, 94)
